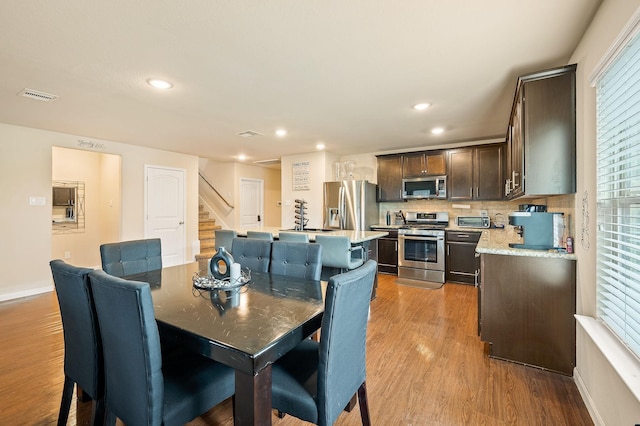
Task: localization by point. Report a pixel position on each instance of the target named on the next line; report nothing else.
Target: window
(618, 194)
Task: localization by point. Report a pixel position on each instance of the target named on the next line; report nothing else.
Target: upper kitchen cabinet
(417, 164)
(476, 173)
(390, 178)
(541, 136)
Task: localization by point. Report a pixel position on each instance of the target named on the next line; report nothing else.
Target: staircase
(207, 236)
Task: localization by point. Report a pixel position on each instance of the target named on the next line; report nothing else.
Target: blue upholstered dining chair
(293, 237)
(224, 238)
(316, 381)
(131, 257)
(142, 385)
(300, 260)
(337, 252)
(252, 253)
(261, 235)
(82, 345)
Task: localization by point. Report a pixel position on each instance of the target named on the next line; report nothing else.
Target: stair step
(204, 234)
(208, 224)
(208, 243)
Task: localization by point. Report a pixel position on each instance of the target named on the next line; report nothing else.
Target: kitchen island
(356, 237)
(527, 302)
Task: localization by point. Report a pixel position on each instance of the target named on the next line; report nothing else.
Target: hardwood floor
(425, 366)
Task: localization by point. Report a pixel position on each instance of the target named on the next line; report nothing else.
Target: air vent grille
(249, 134)
(37, 95)
(270, 162)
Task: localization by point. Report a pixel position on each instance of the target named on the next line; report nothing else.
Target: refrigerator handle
(341, 207)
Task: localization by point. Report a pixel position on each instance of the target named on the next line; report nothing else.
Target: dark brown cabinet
(428, 163)
(390, 178)
(388, 252)
(541, 135)
(462, 265)
(527, 310)
(476, 173)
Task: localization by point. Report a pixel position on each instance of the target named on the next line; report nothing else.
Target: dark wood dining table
(247, 329)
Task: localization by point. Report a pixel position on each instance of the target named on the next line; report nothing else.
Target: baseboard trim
(586, 397)
(26, 293)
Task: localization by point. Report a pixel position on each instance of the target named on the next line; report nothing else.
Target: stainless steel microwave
(424, 188)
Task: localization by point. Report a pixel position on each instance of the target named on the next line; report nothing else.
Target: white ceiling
(342, 72)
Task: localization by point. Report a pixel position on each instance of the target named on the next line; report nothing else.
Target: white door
(251, 203)
(165, 211)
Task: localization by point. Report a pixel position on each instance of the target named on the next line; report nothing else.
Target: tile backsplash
(498, 211)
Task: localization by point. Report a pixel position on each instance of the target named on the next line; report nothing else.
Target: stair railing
(214, 190)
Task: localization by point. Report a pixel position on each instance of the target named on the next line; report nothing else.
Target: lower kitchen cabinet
(388, 253)
(462, 265)
(527, 310)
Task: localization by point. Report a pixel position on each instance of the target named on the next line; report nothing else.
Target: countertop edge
(500, 246)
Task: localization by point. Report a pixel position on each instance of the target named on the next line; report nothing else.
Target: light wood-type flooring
(425, 366)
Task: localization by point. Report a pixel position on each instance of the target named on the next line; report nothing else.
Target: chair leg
(82, 395)
(97, 412)
(351, 404)
(65, 404)
(364, 405)
(280, 414)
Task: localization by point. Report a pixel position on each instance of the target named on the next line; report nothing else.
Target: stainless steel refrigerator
(350, 204)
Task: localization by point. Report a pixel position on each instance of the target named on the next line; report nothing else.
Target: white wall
(610, 401)
(26, 170)
(320, 171)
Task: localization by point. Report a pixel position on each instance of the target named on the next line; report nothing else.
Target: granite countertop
(354, 236)
(496, 241)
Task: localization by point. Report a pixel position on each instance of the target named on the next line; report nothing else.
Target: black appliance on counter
(421, 252)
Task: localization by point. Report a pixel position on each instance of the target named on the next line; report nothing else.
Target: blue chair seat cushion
(295, 382)
(189, 380)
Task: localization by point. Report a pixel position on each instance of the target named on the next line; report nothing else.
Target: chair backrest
(341, 368)
(252, 253)
(82, 344)
(224, 238)
(293, 237)
(301, 260)
(336, 251)
(131, 257)
(132, 358)
(260, 235)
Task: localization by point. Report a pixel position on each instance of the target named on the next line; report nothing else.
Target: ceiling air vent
(271, 162)
(249, 134)
(37, 95)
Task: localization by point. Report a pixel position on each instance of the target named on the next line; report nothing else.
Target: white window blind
(618, 195)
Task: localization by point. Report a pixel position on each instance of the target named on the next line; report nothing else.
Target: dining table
(247, 328)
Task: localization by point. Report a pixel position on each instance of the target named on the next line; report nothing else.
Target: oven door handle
(419, 238)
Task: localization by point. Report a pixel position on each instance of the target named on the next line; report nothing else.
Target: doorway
(100, 174)
(251, 203)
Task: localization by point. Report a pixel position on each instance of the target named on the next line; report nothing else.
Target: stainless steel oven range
(421, 246)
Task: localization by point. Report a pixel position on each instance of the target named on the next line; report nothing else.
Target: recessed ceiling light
(242, 157)
(160, 84)
(281, 133)
(320, 146)
(421, 106)
(437, 130)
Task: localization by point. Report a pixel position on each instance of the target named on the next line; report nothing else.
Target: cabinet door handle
(471, 192)
(477, 192)
(396, 246)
